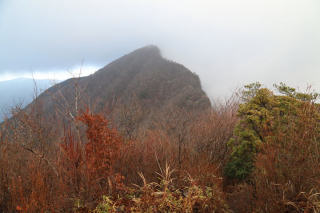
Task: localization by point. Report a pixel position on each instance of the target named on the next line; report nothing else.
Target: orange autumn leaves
(87, 166)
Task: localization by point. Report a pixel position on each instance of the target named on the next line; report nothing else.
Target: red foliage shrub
(86, 169)
(102, 148)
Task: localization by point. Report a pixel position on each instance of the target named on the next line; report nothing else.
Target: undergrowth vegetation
(165, 196)
(256, 153)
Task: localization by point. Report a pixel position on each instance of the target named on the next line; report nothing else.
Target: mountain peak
(149, 50)
(142, 79)
(138, 57)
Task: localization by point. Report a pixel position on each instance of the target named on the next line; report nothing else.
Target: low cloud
(228, 43)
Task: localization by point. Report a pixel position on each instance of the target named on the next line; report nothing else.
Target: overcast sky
(226, 42)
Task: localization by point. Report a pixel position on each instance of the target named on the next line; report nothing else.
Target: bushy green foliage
(261, 114)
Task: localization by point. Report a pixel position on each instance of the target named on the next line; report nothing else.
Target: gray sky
(226, 42)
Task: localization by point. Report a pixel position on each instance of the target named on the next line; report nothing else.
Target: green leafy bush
(261, 115)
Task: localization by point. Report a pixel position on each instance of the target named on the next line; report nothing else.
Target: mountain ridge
(143, 79)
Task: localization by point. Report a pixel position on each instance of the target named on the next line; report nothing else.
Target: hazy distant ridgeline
(20, 91)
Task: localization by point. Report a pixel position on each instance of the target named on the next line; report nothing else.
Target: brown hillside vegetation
(140, 135)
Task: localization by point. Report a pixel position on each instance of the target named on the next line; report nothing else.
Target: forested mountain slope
(134, 90)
